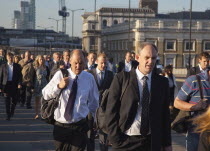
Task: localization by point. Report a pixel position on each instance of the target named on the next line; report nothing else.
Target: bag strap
(126, 78)
(200, 86)
(65, 73)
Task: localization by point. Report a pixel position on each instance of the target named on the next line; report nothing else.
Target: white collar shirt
(202, 71)
(10, 71)
(87, 98)
(128, 66)
(90, 67)
(135, 127)
(98, 72)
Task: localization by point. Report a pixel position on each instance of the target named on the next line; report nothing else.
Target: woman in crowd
(42, 74)
(203, 126)
(16, 59)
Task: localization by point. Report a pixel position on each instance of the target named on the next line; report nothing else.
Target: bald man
(79, 97)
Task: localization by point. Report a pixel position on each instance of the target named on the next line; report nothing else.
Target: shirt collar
(140, 75)
(127, 62)
(99, 71)
(201, 68)
(73, 75)
(10, 64)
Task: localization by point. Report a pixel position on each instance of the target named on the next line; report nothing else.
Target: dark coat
(121, 67)
(108, 77)
(16, 78)
(120, 114)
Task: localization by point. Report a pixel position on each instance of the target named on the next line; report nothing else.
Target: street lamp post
(57, 20)
(129, 26)
(190, 33)
(45, 28)
(72, 27)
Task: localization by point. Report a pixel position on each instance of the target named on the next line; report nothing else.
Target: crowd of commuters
(139, 104)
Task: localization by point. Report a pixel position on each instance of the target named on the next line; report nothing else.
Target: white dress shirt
(135, 127)
(128, 66)
(10, 71)
(87, 99)
(98, 72)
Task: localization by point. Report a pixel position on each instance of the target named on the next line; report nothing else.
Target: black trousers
(103, 141)
(10, 91)
(26, 95)
(68, 139)
(134, 143)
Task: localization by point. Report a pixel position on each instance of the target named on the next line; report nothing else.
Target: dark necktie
(145, 108)
(71, 101)
(100, 78)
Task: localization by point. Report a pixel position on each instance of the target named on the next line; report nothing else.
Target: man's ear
(137, 57)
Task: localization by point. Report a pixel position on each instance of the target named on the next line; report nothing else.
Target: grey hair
(144, 44)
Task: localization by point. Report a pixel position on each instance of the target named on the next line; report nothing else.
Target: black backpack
(100, 112)
(48, 106)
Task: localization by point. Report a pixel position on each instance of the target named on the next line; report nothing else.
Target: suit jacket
(108, 77)
(16, 78)
(121, 67)
(120, 114)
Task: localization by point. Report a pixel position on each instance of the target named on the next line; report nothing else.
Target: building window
(170, 59)
(93, 26)
(206, 46)
(115, 22)
(186, 60)
(170, 45)
(187, 46)
(152, 41)
(104, 23)
(126, 21)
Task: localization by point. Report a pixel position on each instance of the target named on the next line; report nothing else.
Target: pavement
(24, 133)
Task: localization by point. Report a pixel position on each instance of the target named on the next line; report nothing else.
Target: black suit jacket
(108, 77)
(120, 114)
(16, 78)
(121, 67)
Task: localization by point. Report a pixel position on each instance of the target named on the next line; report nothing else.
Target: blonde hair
(103, 55)
(36, 62)
(202, 122)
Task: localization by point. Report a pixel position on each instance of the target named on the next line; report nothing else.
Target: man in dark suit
(91, 61)
(103, 79)
(127, 64)
(140, 120)
(54, 65)
(203, 60)
(10, 81)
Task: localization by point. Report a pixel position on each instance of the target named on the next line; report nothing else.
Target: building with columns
(171, 36)
(117, 30)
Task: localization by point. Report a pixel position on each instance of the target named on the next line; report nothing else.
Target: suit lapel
(105, 79)
(134, 82)
(95, 76)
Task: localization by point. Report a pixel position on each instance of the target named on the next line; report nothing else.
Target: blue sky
(49, 8)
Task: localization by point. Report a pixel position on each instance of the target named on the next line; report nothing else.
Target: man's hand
(201, 105)
(168, 148)
(64, 83)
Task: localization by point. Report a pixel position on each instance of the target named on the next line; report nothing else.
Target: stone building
(117, 30)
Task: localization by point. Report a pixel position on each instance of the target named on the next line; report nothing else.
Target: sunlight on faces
(27, 56)
(9, 59)
(204, 62)
(91, 58)
(128, 57)
(66, 56)
(147, 59)
(77, 62)
(101, 63)
(41, 60)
